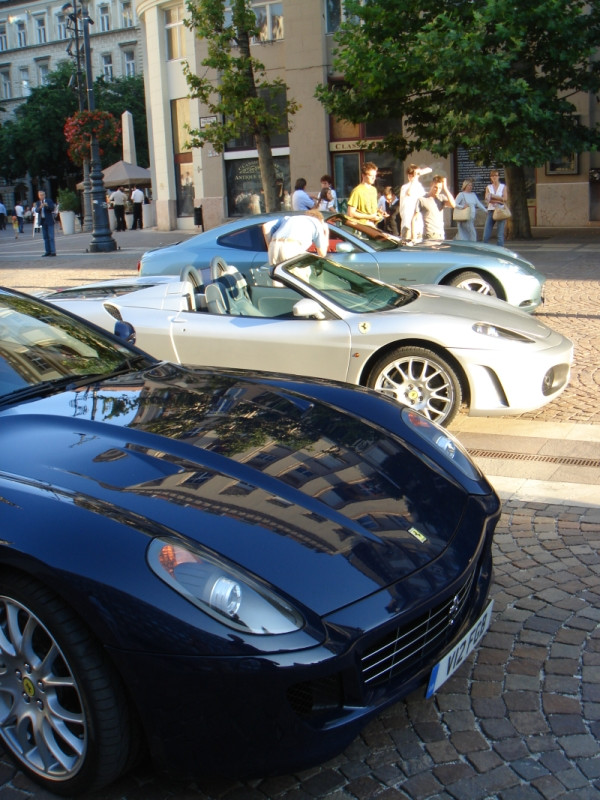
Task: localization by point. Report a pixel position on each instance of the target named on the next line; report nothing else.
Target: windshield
(378, 240)
(40, 345)
(344, 287)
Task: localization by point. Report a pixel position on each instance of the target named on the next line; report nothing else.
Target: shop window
(127, 14)
(184, 177)
(21, 34)
(61, 26)
(247, 142)
(244, 186)
(175, 30)
(40, 29)
(129, 56)
(5, 85)
(104, 12)
(335, 14)
(107, 67)
(269, 19)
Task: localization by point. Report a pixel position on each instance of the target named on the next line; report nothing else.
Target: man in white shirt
(118, 199)
(137, 198)
(291, 236)
(19, 214)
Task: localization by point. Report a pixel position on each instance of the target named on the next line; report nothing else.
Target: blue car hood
(298, 490)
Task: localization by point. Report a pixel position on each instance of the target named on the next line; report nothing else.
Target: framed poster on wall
(563, 165)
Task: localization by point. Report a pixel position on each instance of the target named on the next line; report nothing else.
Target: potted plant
(68, 208)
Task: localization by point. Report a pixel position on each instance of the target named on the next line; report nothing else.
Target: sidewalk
(530, 461)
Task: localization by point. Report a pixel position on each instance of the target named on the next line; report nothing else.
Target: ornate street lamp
(73, 27)
(102, 240)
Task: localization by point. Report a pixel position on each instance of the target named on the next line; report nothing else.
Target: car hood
(472, 307)
(288, 484)
(461, 248)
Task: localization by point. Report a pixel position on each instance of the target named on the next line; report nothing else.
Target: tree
(38, 143)
(497, 77)
(34, 141)
(242, 99)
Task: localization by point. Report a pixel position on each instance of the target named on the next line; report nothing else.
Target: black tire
(63, 715)
(474, 282)
(419, 378)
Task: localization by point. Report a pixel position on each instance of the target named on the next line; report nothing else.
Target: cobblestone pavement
(520, 720)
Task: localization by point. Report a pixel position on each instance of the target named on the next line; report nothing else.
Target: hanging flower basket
(80, 128)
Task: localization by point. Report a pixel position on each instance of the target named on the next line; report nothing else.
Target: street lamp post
(87, 199)
(102, 240)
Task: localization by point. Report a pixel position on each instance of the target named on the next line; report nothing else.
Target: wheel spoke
(420, 383)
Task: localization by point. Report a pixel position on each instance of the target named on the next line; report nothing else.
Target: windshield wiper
(45, 388)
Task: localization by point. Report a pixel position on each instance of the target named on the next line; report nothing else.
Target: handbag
(502, 213)
(461, 214)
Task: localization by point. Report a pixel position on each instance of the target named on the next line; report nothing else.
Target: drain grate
(565, 460)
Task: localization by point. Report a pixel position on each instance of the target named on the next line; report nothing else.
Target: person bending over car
(290, 236)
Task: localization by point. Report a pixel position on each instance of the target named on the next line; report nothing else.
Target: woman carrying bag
(497, 210)
(465, 210)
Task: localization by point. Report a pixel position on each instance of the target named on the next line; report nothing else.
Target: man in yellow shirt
(362, 203)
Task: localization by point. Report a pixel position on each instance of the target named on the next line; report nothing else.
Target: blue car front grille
(407, 649)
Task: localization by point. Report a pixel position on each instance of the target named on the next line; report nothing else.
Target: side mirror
(125, 331)
(344, 247)
(308, 308)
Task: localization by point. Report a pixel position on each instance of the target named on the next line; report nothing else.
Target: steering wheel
(218, 267)
(191, 274)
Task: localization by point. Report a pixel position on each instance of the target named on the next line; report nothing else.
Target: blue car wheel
(63, 716)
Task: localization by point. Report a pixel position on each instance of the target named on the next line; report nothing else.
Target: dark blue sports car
(233, 571)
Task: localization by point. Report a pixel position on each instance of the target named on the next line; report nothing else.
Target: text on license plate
(452, 661)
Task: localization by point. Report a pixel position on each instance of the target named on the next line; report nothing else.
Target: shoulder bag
(502, 213)
(461, 214)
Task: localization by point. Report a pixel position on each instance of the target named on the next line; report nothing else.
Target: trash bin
(198, 216)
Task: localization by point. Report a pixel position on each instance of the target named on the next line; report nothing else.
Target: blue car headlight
(443, 441)
(222, 590)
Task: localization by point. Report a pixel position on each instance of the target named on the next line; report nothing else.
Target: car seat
(215, 299)
(237, 296)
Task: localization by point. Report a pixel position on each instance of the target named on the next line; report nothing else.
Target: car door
(307, 347)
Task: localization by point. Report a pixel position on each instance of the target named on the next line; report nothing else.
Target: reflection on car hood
(470, 248)
(297, 492)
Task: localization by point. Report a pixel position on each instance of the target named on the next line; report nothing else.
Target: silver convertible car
(432, 348)
(479, 267)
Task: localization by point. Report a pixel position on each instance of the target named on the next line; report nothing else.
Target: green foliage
(494, 76)
(34, 141)
(68, 200)
(38, 143)
(235, 87)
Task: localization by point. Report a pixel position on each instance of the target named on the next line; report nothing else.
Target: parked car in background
(433, 348)
(483, 268)
(231, 570)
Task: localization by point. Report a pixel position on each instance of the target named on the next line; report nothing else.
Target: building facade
(295, 44)
(35, 36)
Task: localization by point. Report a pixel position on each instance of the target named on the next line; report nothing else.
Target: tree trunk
(267, 170)
(518, 225)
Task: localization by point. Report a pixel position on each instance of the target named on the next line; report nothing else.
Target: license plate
(452, 661)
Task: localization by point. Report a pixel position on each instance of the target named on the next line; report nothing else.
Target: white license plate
(452, 661)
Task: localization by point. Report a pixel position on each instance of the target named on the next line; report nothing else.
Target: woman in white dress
(468, 198)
